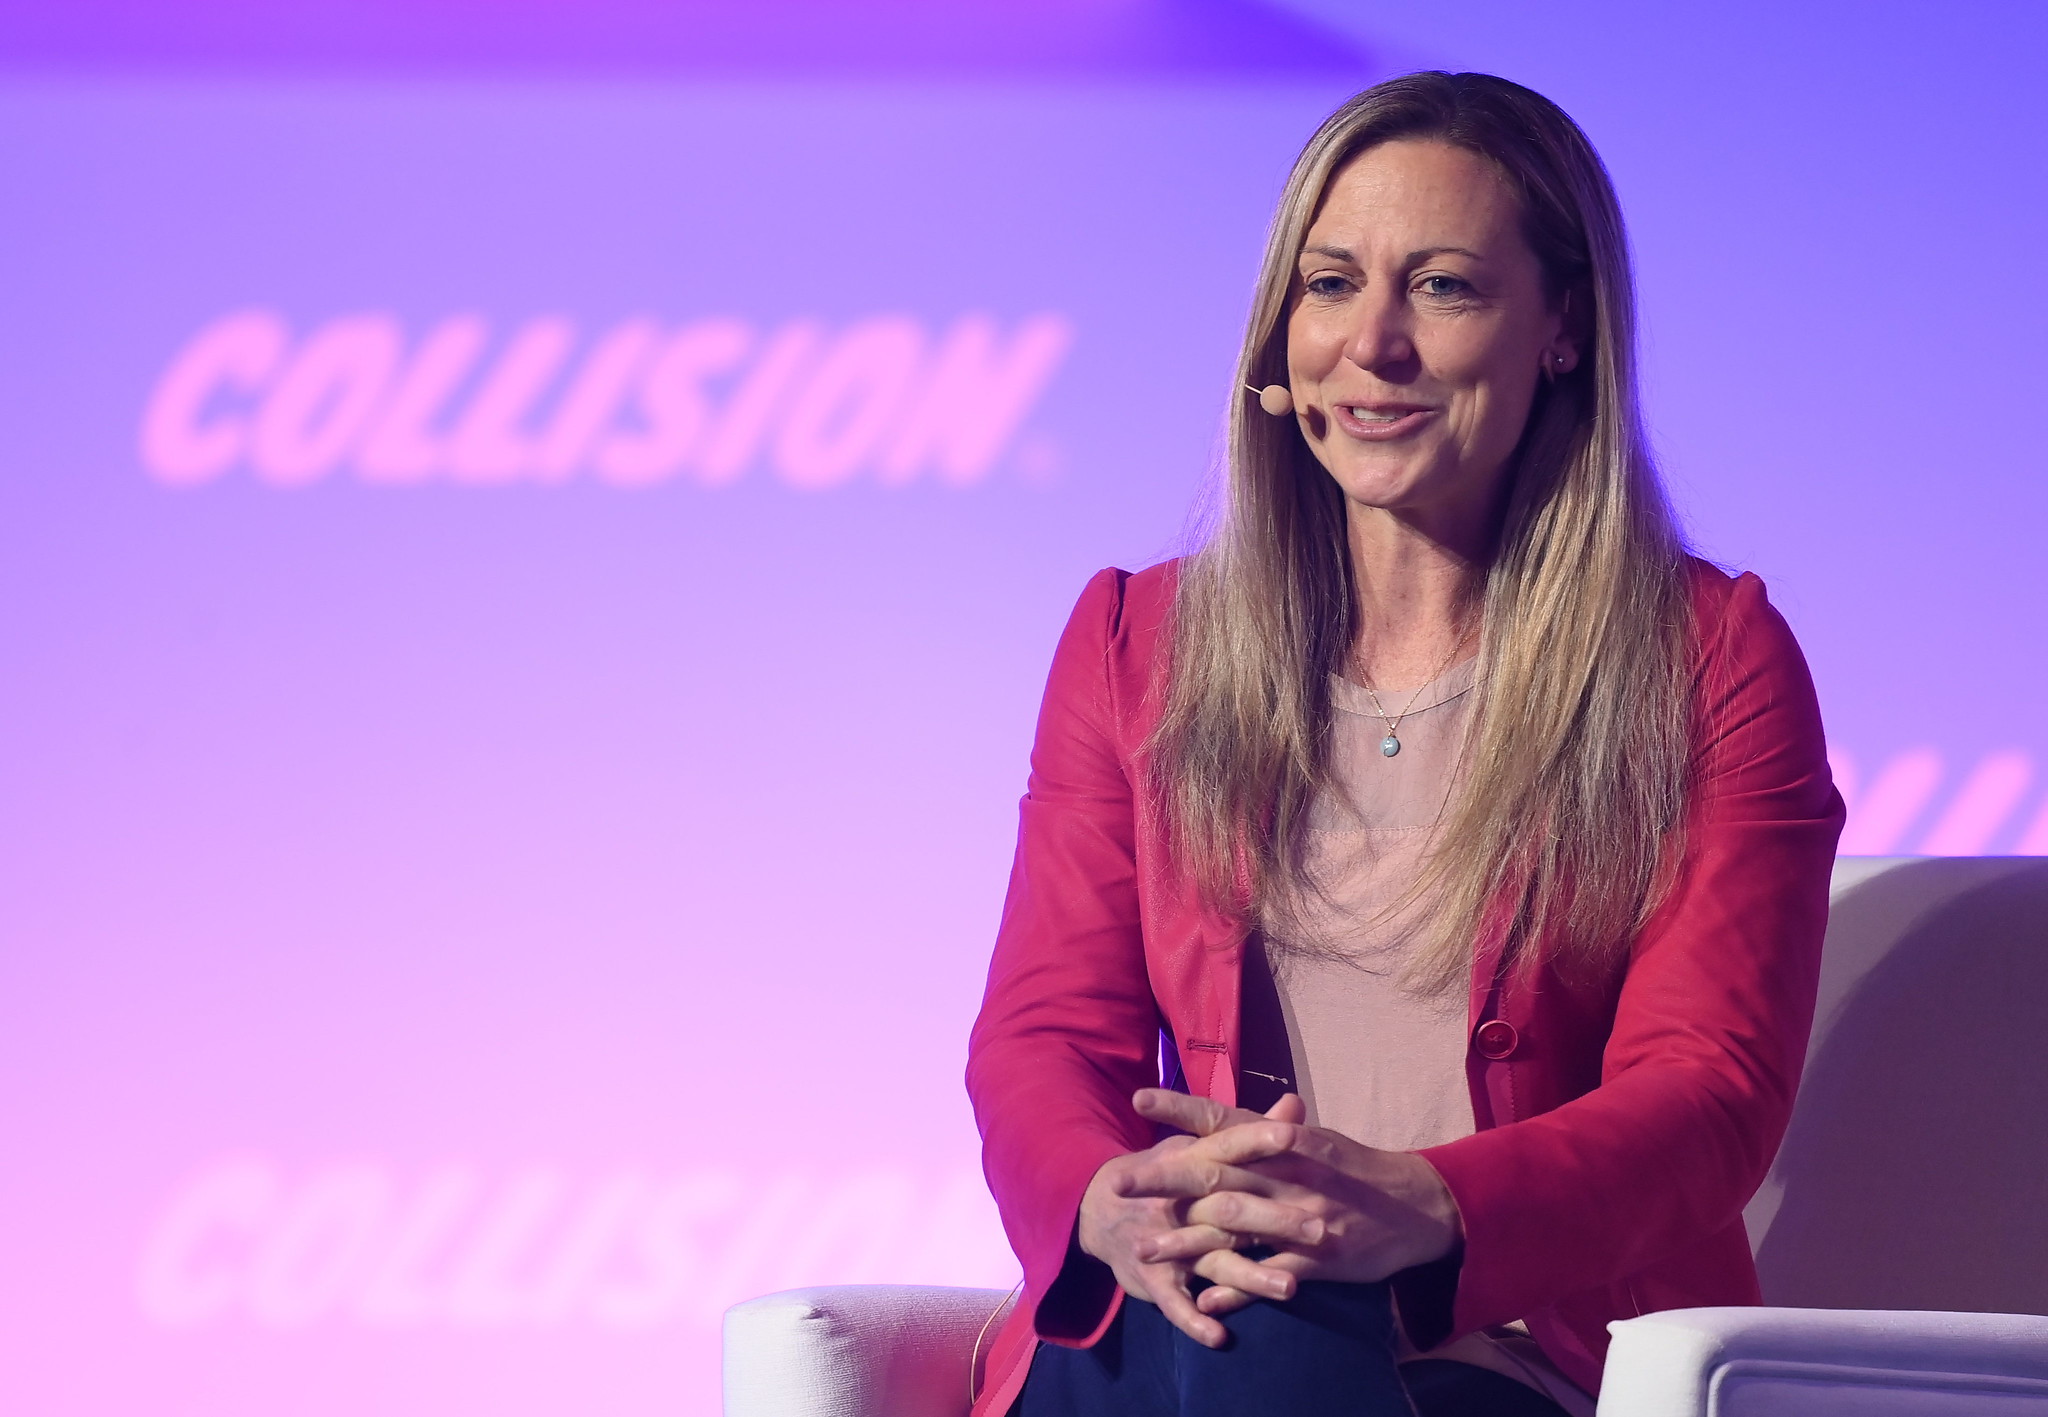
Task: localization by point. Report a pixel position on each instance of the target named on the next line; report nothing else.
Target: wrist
(1088, 1221)
(1442, 1228)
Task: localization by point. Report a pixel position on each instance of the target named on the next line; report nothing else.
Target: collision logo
(887, 398)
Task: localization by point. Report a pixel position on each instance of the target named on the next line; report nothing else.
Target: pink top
(1329, 1011)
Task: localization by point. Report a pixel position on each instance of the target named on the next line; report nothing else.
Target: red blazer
(1622, 1125)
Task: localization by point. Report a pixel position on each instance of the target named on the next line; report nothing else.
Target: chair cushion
(1826, 1363)
(864, 1350)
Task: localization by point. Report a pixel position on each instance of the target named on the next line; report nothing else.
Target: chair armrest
(861, 1350)
(1825, 1363)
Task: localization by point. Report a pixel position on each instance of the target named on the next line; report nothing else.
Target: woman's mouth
(1379, 422)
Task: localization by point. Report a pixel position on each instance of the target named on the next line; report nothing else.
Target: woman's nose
(1381, 340)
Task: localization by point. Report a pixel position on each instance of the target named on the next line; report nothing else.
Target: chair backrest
(1915, 1171)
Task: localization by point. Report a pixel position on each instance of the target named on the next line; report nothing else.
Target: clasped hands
(1317, 1204)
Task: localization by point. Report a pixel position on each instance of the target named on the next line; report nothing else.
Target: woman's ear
(1561, 355)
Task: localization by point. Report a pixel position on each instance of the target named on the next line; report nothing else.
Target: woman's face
(1419, 328)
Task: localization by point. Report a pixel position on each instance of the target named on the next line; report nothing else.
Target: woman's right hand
(1112, 1228)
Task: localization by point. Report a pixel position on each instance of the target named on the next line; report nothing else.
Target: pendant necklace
(1391, 744)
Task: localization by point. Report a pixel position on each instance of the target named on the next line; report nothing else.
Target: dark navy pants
(1328, 1352)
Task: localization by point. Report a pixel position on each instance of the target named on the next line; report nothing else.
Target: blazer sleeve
(1711, 1024)
(1068, 1027)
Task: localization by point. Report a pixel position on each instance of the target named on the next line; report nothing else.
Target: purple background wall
(464, 919)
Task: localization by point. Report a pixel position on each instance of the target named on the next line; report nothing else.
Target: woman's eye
(1328, 285)
(1442, 287)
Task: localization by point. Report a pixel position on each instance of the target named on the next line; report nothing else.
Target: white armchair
(1902, 1236)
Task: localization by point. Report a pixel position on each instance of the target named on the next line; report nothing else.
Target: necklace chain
(1391, 744)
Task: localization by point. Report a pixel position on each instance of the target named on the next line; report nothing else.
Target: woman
(1465, 839)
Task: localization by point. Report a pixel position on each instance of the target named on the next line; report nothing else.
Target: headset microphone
(1275, 399)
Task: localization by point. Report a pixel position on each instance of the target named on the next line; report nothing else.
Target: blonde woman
(1450, 844)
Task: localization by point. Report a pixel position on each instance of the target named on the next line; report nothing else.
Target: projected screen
(522, 608)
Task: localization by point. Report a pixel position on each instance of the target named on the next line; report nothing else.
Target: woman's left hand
(1382, 1211)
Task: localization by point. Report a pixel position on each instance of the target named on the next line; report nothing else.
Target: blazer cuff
(1081, 1301)
(1426, 1298)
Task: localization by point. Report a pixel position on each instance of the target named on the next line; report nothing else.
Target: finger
(1261, 1139)
(1185, 1243)
(1220, 1299)
(1261, 1281)
(1198, 1115)
(1212, 1162)
(1170, 1293)
(1315, 1145)
(1184, 1177)
(1228, 1299)
(1290, 1108)
(1257, 1216)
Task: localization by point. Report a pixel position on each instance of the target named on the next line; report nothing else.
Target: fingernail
(1313, 1231)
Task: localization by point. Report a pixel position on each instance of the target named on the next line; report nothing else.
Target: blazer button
(1496, 1038)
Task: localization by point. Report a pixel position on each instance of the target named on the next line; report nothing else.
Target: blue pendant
(1389, 746)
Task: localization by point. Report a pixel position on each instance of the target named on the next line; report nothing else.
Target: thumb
(1290, 1108)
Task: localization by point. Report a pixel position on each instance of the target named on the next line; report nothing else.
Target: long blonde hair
(1575, 767)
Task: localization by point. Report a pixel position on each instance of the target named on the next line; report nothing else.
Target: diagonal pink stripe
(2034, 842)
(1981, 807)
(1892, 802)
